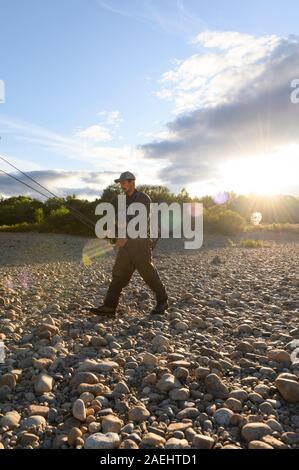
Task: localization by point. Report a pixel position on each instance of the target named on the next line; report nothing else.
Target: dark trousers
(136, 254)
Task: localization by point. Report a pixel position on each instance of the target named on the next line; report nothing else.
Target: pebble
(167, 383)
(174, 443)
(44, 383)
(259, 445)
(34, 422)
(279, 355)
(216, 387)
(188, 413)
(10, 420)
(121, 389)
(179, 394)
(149, 360)
(79, 411)
(102, 441)
(201, 373)
(139, 414)
(73, 436)
(203, 442)
(289, 389)
(223, 416)
(234, 404)
(111, 423)
(38, 410)
(159, 342)
(153, 440)
(90, 365)
(255, 431)
(9, 380)
(214, 372)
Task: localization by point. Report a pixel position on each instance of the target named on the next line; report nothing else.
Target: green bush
(23, 227)
(39, 216)
(251, 244)
(58, 217)
(22, 213)
(226, 222)
(273, 228)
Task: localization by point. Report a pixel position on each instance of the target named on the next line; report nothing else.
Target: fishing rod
(81, 217)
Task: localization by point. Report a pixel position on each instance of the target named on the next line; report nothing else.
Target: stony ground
(217, 371)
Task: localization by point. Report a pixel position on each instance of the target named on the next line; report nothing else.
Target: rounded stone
(279, 355)
(234, 404)
(179, 394)
(10, 420)
(223, 416)
(26, 438)
(73, 435)
(216, 387)
(289, 389)
(167, 383)
(121, 389)
(174, 443)
(149, 360)
(102, 441)
(259, 445)
(34, 422)
(43, 384)
(9, 380)
(111, 423)
(153, 440)
(255, 431)
(79, 410)
(203, 442)
(138, 414)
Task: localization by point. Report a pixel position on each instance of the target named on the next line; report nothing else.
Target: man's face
(127, 186)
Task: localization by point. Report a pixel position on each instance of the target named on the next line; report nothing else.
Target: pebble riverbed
(218, 370)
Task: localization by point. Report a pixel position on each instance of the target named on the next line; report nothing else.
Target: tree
(39, 215)
(183, 196)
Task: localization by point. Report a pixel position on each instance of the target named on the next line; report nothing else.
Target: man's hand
(121, 242)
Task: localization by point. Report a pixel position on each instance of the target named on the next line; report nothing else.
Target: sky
(185, 93)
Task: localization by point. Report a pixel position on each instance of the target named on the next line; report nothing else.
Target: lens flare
(221, 198)
(95, 250)
(256, 218)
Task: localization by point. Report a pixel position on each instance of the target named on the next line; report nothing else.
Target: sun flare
(266, 175)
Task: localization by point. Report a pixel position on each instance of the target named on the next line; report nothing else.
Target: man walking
(133, 254)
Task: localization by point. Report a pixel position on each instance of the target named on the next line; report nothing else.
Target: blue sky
(90, 86)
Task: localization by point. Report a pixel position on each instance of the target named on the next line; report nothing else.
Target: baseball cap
(127, 175)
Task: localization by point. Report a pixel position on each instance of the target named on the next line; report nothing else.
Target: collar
(133, 194)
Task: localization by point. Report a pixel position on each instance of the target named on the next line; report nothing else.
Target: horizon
(220, 195)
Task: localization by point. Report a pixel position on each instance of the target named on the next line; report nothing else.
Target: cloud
(233, 102)
(26, 165)
(73, 147)
(111, 118)
(212, 78)
(102, 132)
(95, 133)
(84, 184)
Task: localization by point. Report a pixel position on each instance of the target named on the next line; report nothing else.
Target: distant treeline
(58, 215)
